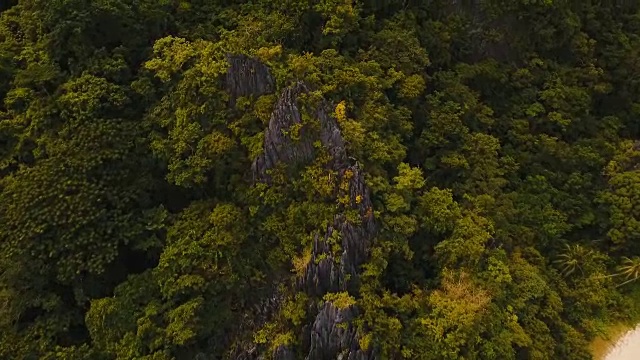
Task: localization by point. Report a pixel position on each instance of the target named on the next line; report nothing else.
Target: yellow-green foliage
(412, 86)
(282, 339)
(294, 131)
(268, 54)
(263, 108)
(341, 300)
(264, 335)
(301, 262)
(295, 310)
(498, 144)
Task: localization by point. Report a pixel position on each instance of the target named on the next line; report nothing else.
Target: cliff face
(247, 77)
(279, 147)
(331, 335)
(326, 273)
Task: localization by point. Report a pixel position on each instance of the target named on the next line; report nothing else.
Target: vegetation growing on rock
(378, 179)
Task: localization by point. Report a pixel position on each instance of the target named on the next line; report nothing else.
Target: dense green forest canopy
(372, 179)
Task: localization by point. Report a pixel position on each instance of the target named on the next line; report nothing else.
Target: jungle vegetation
(500, 141)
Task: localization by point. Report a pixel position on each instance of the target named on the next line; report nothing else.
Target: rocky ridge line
(327, 337)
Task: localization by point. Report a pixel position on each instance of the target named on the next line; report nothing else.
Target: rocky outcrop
(247, 77)
(243, 348)
(278, 144)
(326, 272)
(331, 335)
(279, 147)
(283, 353)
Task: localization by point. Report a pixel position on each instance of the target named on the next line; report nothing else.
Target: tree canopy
(380, 179)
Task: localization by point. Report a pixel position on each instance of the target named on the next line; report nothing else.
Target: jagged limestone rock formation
(279, 147)
(331, 335)
(324, 272)
(247, 77)
(244, 348)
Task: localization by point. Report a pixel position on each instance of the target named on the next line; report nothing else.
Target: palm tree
(572, 258)
(630, 268)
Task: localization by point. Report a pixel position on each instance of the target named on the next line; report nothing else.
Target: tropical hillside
(317, 179)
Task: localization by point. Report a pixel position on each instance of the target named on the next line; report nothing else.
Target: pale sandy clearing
(627, 347)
